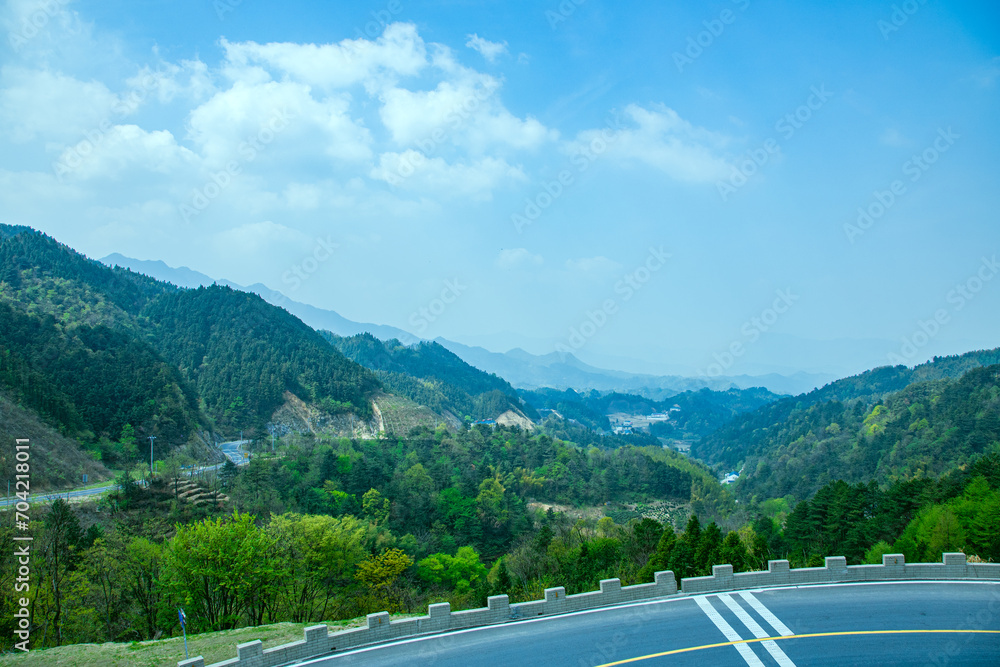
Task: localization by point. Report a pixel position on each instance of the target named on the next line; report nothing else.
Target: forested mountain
(429, 374)
(94, 349)
(890, 422)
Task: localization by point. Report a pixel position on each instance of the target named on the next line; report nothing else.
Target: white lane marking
(766, 614)
(728, 631)
(757, 631)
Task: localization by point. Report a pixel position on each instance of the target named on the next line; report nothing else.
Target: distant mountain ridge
(521, 369)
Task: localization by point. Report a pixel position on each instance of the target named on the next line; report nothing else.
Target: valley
(347, 474)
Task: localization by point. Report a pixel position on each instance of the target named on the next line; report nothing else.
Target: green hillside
(864, 433)
(93, 349)
(430, 375)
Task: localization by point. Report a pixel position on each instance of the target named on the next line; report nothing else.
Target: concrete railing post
(250, 654)
(499, 606)
(666, 583)
(555, 600)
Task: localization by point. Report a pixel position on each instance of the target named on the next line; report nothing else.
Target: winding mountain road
(886, 623)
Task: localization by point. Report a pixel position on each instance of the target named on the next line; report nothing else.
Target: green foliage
(430, 375)
(921, 430)
(242, 355)
(461, 572)
(224, 570)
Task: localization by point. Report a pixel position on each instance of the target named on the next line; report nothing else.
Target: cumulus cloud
(659, 138)
(399, 51)
(515, 258)
(489, 50)
(50, 105)
(477, 179)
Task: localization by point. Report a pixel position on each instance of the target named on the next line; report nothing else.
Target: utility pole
(151, 439)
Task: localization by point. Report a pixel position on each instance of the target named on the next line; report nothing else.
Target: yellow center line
(803, 636)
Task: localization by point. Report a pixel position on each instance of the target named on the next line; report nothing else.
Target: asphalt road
(953, 623)
(233, 452)
(230, 449)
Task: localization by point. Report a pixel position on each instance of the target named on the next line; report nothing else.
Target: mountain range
(520, 368)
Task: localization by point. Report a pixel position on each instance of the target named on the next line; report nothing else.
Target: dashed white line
(766, 614)
(727, 630)
(757, 631)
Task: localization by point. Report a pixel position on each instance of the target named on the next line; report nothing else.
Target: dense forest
(450, 517)
(797, 445)
(430, 375)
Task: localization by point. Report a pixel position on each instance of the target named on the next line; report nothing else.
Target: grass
(213, 646)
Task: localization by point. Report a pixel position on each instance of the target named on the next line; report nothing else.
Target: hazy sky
(667, 182)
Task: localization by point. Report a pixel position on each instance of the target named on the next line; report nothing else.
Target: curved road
(906, 623)
(231, 450)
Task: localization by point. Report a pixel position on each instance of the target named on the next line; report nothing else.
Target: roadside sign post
(183, 618)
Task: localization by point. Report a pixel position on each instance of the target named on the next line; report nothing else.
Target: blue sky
(672, 187)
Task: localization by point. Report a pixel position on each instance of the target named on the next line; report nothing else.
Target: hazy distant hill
(563, 371)
(317, 318)
(520, 368)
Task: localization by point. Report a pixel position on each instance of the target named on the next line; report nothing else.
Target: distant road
(888, 623)
(233, 451)
(230, 449)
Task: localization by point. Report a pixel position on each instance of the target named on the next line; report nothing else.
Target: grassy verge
(213, 646)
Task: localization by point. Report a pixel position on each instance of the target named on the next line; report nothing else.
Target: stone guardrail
(319, 641)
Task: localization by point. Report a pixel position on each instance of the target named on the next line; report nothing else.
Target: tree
(379, 573)
(61, 538)
(222, 570)
(321, 554)
(375, 507)
(461, 572)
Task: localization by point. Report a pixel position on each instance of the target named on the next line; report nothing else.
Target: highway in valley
(885, 623)
(232, 451)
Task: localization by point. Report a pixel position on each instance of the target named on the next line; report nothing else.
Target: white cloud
(659, 138)
(50, 105)
(250, 119)
(465, 112)
(476, 179)
(514, 258)
(489, 50)
(124, 149)
(399, 51)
